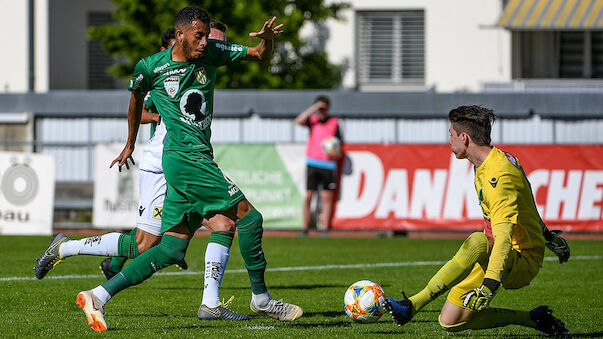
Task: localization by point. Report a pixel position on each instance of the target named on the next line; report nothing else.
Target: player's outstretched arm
(134, 116)
(263, 51)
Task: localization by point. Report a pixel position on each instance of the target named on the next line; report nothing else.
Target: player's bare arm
(148, 117)
(263, 51)
(134, 116)
(302, 118)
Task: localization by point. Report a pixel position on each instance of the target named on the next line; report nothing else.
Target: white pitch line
(288, 269)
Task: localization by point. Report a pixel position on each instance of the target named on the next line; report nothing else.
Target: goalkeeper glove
(558, 245)
(479, 299)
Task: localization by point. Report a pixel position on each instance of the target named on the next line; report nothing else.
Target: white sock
(216, 258)
(101, 294)
(103, 245)
(261, 300)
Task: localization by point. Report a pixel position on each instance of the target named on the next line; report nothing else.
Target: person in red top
(321, 159)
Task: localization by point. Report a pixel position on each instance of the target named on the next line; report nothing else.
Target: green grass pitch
(166, 305)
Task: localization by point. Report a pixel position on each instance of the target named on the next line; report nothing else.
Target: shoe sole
(387, 306)
(212, 318)
(208, 315)
(298, 313)
(97, 325)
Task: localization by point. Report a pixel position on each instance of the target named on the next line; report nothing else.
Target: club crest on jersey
(493, 182)
(201, 75)
(512, 159)
(172, 84)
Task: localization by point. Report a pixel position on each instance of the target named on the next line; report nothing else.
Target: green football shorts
(196, 189)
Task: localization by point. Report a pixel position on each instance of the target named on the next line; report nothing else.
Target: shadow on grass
(396, 330)
(327, 314)
(585, 335)
(286, 287)
(519, 336)
(153, 315)
(192, 288)
(162, 327)
(328, 324)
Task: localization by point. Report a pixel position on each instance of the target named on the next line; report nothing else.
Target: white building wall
(41, 54)
(14, 60)
(463, 48)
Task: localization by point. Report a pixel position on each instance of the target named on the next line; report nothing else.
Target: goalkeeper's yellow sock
(474, 250)
(491, 318)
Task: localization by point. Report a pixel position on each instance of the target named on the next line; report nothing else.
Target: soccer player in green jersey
(147, 234)
(181, 81)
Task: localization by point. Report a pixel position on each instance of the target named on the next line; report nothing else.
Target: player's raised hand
(559, 246)
(268, 31)
(123, 157)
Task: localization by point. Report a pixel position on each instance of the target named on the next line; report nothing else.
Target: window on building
(98, 59)
(390, 48)
(558, 55)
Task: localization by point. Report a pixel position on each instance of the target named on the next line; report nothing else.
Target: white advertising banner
(115, 193)
(26, 193)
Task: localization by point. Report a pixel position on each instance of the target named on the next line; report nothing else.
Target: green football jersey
(183, 92)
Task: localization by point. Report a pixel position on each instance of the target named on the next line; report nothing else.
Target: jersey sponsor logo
(135, 83)
(194, 109)
(157, 211)
(161, 68)
(140, 210)
(232, 188)
(201, 75)
(493, 182)
(172, 84)
(175, 71)
(233, 191)
(233, 47)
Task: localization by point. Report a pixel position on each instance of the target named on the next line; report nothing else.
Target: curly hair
(187, 15)
(474, 120)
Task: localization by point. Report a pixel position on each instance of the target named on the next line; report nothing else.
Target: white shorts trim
(153, 229)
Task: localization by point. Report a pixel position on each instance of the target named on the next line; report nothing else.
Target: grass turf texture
(166, 305)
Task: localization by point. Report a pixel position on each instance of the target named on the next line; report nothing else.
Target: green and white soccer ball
(361, 301)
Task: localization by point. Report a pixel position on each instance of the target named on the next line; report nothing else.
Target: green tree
(139, 25)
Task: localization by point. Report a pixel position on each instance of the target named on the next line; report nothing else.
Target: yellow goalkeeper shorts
(520, 269)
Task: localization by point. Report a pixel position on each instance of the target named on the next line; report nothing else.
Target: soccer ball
(331, 145)
(361, 301)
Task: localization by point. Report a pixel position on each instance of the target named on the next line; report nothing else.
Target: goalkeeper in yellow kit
(510, 250)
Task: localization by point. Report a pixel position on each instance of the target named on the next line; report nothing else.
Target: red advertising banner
(410, 187)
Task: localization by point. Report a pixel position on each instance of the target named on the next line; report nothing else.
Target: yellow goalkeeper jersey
(506, 197)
